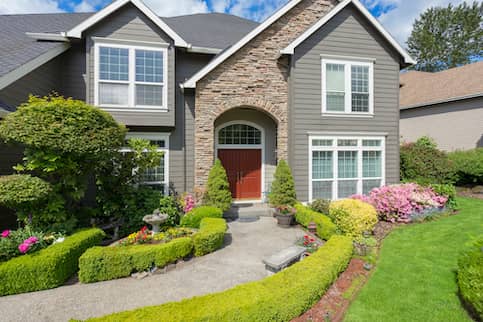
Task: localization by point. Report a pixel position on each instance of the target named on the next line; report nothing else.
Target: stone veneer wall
(255, 76)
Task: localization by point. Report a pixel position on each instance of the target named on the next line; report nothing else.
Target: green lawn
(415, 277)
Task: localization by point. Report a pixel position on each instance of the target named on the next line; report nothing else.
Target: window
(239, 134)
(130, 76)
(343, 166)
(158, 177)
(347, 87)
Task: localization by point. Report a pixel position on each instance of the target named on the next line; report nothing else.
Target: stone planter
(285, 221)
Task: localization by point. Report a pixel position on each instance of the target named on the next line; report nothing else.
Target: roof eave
(446, 100)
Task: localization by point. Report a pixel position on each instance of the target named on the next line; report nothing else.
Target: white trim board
(289, 50)
(77, 31)
(31, 65)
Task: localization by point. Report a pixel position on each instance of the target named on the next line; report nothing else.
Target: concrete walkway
(239, 262)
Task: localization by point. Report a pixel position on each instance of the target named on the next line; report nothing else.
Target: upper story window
(347, 87)
(130, 76)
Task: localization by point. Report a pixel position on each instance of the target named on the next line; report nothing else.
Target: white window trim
(131, 106)
(152, 136)
(348, 88)
(335, 149)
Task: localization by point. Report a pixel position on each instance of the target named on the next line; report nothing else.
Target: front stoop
(248, 212)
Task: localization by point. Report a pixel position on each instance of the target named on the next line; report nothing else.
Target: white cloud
(84, 6)
(399, 21)
(169, 8)
(28, 6)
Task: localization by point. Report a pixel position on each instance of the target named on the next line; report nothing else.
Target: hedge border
(280, 297)
(49, 267)
(193, 218)
(325, 227)
(210, 237)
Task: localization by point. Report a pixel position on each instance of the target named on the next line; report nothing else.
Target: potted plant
(285, 215)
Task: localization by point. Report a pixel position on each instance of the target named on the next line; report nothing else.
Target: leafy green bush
(107, 263)
(448, 191)
(193, 218)
(321, 206)
(169, 206)
(283, 187)
(48, 268)
(325, 227)
(468, 166)
(218, 192)
(210, 237)
(280, 297)
(423, 163)
(470, 277)
(353, 217)
(12, 239)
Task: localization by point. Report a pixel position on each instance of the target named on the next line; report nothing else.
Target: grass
(415, 277)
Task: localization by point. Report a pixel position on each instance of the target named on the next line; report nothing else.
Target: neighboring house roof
(422, 88)
(191, 83)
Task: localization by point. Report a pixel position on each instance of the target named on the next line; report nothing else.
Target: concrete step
(248, 212)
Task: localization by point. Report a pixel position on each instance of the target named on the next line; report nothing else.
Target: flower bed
(280, 297)
(144, 236)
(49, 267)
(404, 202)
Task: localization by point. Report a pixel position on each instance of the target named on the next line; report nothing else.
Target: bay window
(347, 87)
(343, 166)
(129, 76)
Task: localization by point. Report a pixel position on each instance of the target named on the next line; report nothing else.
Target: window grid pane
(322, 189)
(371, 164)
(113, 94)
(149, 66)
(347, 142)
(322, 142)
(156, 174)
(240, 134)
(150, 95)
(113, 64)
(322, 165)
(371, 142)
(360, 88)
(335, 80)
(368, 185)
(347, 164)
(346, 189)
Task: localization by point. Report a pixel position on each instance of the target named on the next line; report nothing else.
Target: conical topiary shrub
(218, 192)
(283, 187)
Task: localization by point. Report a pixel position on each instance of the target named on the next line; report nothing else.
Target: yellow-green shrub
(280, 297)
(210, 237)
(325, 227)
(353, 217)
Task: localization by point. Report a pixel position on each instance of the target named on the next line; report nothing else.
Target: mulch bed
(334, 303)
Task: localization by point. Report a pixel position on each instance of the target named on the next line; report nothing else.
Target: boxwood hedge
(325, 227)
(210, 237)
(280, 297)
(48, 268)
(107, 263)
(193, 218)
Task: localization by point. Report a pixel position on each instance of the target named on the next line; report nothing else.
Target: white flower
(59, 240)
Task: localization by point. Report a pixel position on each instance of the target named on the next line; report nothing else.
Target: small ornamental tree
(218, 192)
(283, 187)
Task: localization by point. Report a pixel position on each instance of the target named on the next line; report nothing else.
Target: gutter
(204, 50)
(447, 100)
(47, 36)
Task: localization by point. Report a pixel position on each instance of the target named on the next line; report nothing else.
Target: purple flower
(31, 240)
(24, 247)
(5, 233)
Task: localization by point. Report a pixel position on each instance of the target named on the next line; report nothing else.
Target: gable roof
(76, 32)
(421, 88)
(289, 50)
(191, 83)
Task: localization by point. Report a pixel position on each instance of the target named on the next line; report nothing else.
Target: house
(447, 106)
(317, 84)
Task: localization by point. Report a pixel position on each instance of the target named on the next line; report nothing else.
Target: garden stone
(140, 275)
(284, 258)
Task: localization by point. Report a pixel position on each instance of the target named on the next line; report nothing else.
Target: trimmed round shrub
(193, 218)
(468, 166)
(22, 190)
(321, 206)
(353, 217)
(470, 277)
(218, 192)
(283, 187)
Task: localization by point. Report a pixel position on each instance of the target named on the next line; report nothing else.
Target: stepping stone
(284, 258)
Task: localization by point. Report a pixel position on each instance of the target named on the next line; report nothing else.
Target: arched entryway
(245, 142)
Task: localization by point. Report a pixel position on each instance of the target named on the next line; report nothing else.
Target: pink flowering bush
(18, 242)
(403, 202)
(189, 203)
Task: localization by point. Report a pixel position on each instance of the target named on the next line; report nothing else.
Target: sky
(397, 16)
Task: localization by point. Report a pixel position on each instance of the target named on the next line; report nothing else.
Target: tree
(218, 192)
(444, 38)
(283, 187)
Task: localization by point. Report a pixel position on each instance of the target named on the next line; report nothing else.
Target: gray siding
(73, 73)
(347, 34)
(454, 125)
(128, 23)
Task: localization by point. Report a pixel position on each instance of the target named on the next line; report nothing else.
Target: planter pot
(285, 221)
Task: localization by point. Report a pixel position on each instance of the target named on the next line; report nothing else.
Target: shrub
(48, 268)
(468, 166)
(218, 192)
(283, 187)
(168, 205)
(423, 163)
(353, 217)
(194, 217)
(18, 242)
(448, 191)
(210, 237)
(325, 227)
(107, 263)
(280, 297)
(321, 206)
(400, 202)
(470, 277)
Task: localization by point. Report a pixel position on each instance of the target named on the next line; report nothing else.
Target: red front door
(244, 170)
